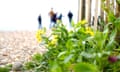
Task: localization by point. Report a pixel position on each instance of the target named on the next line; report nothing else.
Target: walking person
(70, 16)
(40, 21)
(54, 19)
(51, 14)
(60, 17)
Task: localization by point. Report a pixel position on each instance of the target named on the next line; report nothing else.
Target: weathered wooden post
(88, 10)
(118, 9)
(118, 15)
(102, 13)
(96, 14)
(81, 9)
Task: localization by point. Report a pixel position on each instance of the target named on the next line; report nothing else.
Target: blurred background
(23, 14)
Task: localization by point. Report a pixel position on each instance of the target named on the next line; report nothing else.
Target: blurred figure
(100, 23)
(60, 17)
(98, 20)
(93, 19)
(52, 16)
(40, 21)
(70, 15)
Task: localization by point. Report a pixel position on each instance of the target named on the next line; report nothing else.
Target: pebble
(18, 46)
(17, 66)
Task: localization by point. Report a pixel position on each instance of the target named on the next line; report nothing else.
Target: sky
(23, 14)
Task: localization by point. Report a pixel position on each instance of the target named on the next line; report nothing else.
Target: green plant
(80, 49)
(68, 50)
(6, 68)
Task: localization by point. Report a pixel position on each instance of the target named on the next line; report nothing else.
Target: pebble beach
(18, 46)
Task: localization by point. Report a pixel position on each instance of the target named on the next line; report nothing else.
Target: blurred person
(54, 19)
(70, 16)
(52, 15)
(93, 19)
(40, 21)
(60, 17)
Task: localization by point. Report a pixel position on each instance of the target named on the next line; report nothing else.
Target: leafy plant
(68, 50)
(80, 49)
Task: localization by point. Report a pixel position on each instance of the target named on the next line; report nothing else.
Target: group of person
(54, 18)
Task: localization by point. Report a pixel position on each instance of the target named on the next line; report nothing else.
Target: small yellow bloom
(55, 36)
(54, 40)
(89, 31)
(38, 35)
(83, 22)
(40, 32)
(92, 33)
(39, 38)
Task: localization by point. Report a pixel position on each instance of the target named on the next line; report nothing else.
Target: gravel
(18, 46)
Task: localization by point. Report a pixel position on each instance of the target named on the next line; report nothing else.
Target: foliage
(112, 19)
(85, 67)
(118, 1)
(79, 49)
(6, 68)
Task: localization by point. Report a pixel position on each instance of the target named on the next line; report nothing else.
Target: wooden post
(102, 12)
(88, 11)
(96, 14)
(113, 6)
(80, 8)
(118, 10)
(118, 15)
(83, 9)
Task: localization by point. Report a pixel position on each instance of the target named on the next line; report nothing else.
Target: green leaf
(4, 69)
(73, 24)
(113, 35)
(118, 1)
(85, 67)
(111, 17)
(55, 67)
(111, 43)
(29, 65)
(67, 59)
(37, 57)
(86, 55)
(117, 23)
(61, 53)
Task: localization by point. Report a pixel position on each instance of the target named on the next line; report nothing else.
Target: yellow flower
(92, 33)
(38, 35)
(40, 32)
(89, 31)
(54, 40)
(83, 22)
(55, 36)
(39, 39)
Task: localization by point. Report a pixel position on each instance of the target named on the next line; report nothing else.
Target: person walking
(52, 15)
(54, 19)
(70, 16)
(40, 21)
(60, 17)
